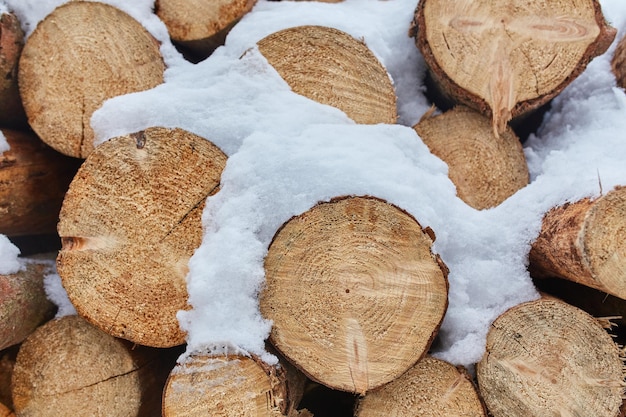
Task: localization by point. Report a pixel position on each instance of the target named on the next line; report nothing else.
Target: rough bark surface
(33, 182)
(99, 52)
(355, 294)
(130, 221)
(486, 169)
(532, 50)
(11, 44)
(546, 358)
(23, 302)
(585, 242)
(69, 368)
(331, 67)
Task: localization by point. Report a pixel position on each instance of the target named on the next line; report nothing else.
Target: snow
(286, 153)
(56, 293)
(9, 257)
(4, 145)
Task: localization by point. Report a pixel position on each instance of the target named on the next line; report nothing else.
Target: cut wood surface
(506, 58)
(354, 292)
(331, 67)
(585, 242)
(486, 169)
(7, 362)
(201, 25)
(23, 302)
(5, 411)
(431, 388)
(67, 367)
(33, 182)
(618, 63)
(11, 44)
(230, 385)
(99, 52)
(130, 221)
(548, 358)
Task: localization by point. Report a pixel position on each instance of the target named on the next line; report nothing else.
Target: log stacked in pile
(354, 290)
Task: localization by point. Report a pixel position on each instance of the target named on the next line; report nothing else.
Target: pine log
(231, 385)
(618, 63)
(486, 169)
(584, 242)
(69, 368)
(200, 26)
(331, 67)
(5, 411)
(11, 44)
(130, 221)
(354, 292)
(506, 58)
(547, 358)
(7, 363)
(99, 52)
(33, 182)
(431, 388)
(23, 302)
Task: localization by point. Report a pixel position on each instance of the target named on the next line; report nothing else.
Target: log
(584, 242)
(198, 27)
(532, 50)
(546, 358)
(618, 63)
(431, 388)
(229, 385)
(99, 52)
(33, 181)
(331, 67)
(23, 302)
(7, 362)
(486, 169)
(354, 292)
(5, 411)
(130, 221)
(69, 368)
(11, 44)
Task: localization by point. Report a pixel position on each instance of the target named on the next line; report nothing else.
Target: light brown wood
(130, 221)
(547, 358)
(201, 25)
(67, 367)
(7, 362)
(33, 182)
(618, 63)
(11, 44)
(486, 169)
(354, 292)
(99, 52)
(230, 385)
(585, 242)
(431, 388)
(331, 67)
(5, 411)
(506, 58)
(23, 302)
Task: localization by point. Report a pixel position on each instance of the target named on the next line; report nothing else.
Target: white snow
(9, 257)
(4, 145)
(56, 293)
(287, 152)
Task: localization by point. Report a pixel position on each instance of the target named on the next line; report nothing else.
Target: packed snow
(286, 153)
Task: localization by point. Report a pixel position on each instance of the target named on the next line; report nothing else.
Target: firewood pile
(353, 288)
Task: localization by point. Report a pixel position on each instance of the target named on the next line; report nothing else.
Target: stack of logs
(353, 289)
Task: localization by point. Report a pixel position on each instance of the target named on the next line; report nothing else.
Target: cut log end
(618, 63)
(130, 221)
(546, 357)
(355, 294)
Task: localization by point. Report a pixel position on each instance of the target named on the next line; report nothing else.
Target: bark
(99, 53)
(130, 221)
(69, 368)
(11, 44)
(618, 63)
(548, 358)
(486, 169)
(232, 385)
(33, 182)
(354, 291)
(584, 242)
(23, 302)
(431, 388)
(7, 362)
(331, 67)
(200, 26)
(506, 59)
